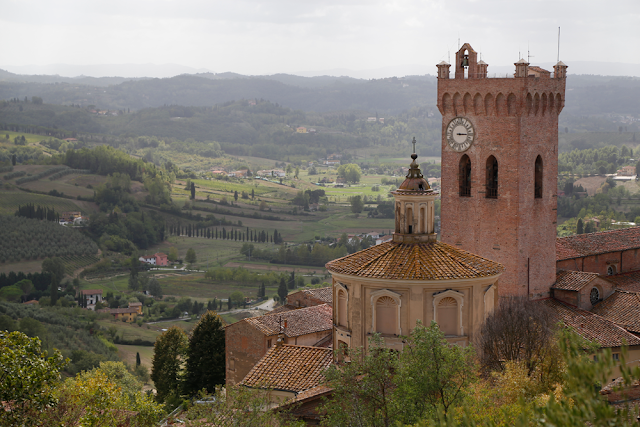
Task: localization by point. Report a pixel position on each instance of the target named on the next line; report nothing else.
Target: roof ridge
(307, 346)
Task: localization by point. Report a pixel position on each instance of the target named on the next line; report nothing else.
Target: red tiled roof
(621, 308)
(591, 326)
(294, 368)
(299, 322)
(416, 261)
(629, 281)
(573, 280)
(322, 294)
(597, 243)
(283, 309)
(122, 310)
(91, 291)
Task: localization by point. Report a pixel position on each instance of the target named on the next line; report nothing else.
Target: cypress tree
(205, 367)
(282, 290)
(137, 358)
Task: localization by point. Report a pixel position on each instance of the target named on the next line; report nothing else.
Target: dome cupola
(415, 206)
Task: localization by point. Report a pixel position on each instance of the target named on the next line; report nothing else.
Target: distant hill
(386, 96)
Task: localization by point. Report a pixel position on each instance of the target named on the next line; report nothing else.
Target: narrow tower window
(464, 176)
(492, 178)
(538, 178)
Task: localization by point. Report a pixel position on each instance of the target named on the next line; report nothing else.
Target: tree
(193, 191)
(432, 374)
(107, 396)
(236, 298)
(292, 280)
(282, 290)
(235, 405)
(350, 172)
(191, 256)
(235, 195)
(134, 284)
(168, 356)
(263, 205)
(55, 266)
(14, 158)
(29, 377)
(205, 367)
(137, 358)
(362, 389)
(297, 172)
(518, 331)
(154, 288)
(580, 226)
(357, 204)
(253, 194)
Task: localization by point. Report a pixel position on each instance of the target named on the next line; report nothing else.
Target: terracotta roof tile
(629, 281)
(416, 261)
(621, 308)
(573, 280)
(299, 322)
(91, 291)
(323, 294)
(597, 243)
(590, 325)
(294, 368)
(283, 308)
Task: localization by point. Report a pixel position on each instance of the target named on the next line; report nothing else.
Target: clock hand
(460, 133)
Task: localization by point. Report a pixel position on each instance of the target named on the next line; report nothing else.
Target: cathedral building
(499, 203)
(386, 288)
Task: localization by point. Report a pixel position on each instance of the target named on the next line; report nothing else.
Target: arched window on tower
(538, 178)
(464, 176)
(492, 178)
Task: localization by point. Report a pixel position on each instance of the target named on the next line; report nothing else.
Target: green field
(68, 184)
(72, 264)
(10, 200)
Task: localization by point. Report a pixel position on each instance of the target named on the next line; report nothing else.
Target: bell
(465, 61)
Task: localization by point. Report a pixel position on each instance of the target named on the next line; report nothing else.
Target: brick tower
(500, 167)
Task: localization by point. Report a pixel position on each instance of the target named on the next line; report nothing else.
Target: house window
(448, 316)
(268, 343)
(464, 176)
(616, 357)
(538, 178)
(386, 315)
(492, 178)
(594, 296)
(611, 270)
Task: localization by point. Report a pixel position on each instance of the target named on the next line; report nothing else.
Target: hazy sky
(271, 36)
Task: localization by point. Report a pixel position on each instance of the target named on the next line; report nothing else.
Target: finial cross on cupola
(414, 145)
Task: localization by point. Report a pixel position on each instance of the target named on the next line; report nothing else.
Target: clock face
(460, 134)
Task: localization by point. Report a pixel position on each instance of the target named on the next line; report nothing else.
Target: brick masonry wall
(515, 229)
(245, 346)
(624, 261)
